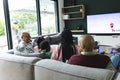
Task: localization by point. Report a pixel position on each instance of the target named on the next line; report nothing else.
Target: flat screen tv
(103, 23)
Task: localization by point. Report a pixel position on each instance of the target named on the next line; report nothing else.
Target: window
(47, 9)
(3, 39)
(23, 17)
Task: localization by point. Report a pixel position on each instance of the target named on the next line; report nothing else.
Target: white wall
(108, 40)
(60, 5)
(113, 40)
(103, 40)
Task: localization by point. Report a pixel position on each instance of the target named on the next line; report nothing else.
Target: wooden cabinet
(73, 12)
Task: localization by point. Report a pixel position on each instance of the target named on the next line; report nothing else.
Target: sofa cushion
(56, 70)
(13, 67)
(117, 76)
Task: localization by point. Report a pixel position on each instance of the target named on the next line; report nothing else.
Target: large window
(47, 9)
(23, 17)
(38, 17)
(3, 39)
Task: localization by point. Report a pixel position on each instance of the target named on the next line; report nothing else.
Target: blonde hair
(26, 37)
(87, 43)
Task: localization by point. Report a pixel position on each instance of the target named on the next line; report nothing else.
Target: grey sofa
(55, 70)
(15, 67)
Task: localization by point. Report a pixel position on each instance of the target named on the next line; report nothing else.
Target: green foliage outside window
(24, 18)
(26, 21)
(2, 28)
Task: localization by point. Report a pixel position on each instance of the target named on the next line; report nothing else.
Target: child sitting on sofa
(26, 46)
(44, 47)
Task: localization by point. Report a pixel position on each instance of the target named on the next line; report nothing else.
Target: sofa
(15, 67)
(55, 70)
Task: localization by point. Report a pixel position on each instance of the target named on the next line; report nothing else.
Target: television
(108, 23)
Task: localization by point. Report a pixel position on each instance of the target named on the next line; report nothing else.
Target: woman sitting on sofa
(66, 49)
(88, 57)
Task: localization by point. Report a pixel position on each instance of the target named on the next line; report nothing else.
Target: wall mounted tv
(103, 23)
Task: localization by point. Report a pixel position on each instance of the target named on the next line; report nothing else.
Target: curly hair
(26, 37)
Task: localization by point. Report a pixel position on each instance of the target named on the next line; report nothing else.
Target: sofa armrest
(111, 66)
(11, 51)
(117, 76)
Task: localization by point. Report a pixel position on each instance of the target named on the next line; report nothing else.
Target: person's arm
(54, 53)
(34, 43)
(115, 60)
(20, 47)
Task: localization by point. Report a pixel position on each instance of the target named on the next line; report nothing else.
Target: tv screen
(105, 49)
(103, 23)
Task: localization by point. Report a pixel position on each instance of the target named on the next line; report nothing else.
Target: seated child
(44, 47)
(26, 46)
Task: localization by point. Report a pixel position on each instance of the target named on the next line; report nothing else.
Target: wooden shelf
(77, 30)
(73, 12)
(73, 18)
(74, 6)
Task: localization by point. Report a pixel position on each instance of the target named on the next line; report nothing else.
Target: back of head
(67, 37)
(87, 43)
(26, 37)
(67, 45)
(44, 45)
(39, 40)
